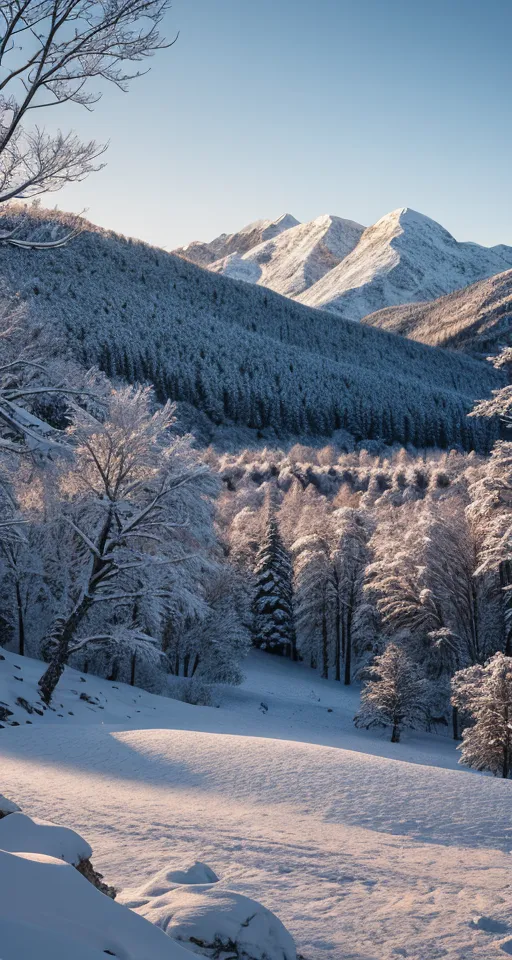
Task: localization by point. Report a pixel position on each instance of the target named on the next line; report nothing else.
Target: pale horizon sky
(288, 106)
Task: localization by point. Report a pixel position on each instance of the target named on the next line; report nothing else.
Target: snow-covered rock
(7, 807)
(166, 879)
(22, 834)
(405, 257)
(212, 922)
(49, 912)
(295, 259)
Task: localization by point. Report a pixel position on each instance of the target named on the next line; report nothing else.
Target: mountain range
(476, 319)
(336, 265)
(240, 353)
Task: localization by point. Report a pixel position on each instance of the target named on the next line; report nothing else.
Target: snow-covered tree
(424, 580)
(136, 503)
(396, 694)
(491, 494)
(211, 642)
(315, 599)
(330, 556)
(273, 624)
(485, 694)
(350, 555)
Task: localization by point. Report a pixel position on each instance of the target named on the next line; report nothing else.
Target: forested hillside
(477, 319)
(241, 353)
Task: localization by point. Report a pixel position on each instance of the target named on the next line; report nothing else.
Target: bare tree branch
(50, 50)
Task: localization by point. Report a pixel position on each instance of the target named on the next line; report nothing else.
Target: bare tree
(50, 50)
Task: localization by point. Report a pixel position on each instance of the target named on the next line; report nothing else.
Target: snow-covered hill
(404, 258)
(240, 242)
(477, 319)
(365, 849)
(295, 259)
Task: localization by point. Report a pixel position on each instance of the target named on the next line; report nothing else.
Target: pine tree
(273, 627)
(485, 693)
(396, 696)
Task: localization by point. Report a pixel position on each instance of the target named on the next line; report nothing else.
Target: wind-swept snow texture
(405, 257)
(241, 353)
(366, 850)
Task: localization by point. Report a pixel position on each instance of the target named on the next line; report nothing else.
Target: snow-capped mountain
(245, 239)
(477, 319)
(336, 265)
(238, 352)
(295, 259)
(405, 257)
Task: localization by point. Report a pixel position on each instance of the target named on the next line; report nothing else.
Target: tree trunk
(348, 647)
(455, 723)
(506, 581)
(21, 624)
(293, 647)
(337, 652)
(506, 751)
(195, 665)
(186, 661)
(325, 648)
(63, 638)
(395, 736)
(51, 677)
(114, 673)
(133, 668)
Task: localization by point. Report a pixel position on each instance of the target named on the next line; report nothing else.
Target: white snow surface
(49, 912)
(20, 833)
(227, 243)
(165, 880)
(297, 258)
(405, 257)
(7, 806)
(364, 849)
(205, 918)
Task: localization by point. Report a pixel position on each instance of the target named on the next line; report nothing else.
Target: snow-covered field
(365, 849)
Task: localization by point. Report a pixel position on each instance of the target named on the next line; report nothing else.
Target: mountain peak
(405, 257)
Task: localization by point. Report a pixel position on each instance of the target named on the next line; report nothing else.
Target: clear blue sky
(351, 107)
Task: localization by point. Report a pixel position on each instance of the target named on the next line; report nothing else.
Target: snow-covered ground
(364, 849)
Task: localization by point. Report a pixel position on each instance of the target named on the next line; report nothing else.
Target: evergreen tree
(273, 626)
(395, 696)
(485, 693)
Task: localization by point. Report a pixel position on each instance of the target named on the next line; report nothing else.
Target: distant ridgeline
(242, 353)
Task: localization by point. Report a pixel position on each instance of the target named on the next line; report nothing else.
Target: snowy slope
(295, 259)
(239, 242)
(362, 853)
(49, 912)
(477, 319)
(405, 257)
